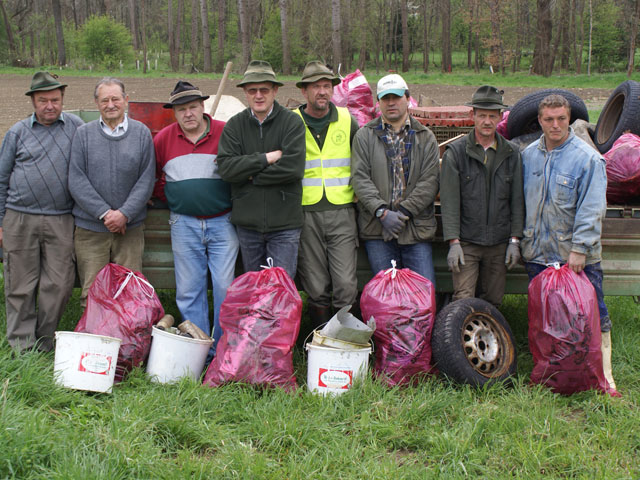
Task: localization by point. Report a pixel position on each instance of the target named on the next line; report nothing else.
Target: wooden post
(216, 101)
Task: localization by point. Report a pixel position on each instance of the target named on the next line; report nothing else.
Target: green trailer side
(620, 250)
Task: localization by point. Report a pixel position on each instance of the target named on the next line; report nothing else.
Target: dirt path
(79, 94)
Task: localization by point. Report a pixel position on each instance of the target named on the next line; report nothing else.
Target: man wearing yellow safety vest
(329, 238)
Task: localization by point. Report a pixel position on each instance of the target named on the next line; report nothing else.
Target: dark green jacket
(265, 198)
(469, 212)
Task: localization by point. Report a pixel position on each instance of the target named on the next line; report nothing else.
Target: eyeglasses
(254, 91)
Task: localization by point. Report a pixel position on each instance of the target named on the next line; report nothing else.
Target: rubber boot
(606, 358)
(319, 315)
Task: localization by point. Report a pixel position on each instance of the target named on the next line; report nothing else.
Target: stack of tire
(620, 114)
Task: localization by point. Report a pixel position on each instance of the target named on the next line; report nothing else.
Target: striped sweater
(187, 173)
(34, 167)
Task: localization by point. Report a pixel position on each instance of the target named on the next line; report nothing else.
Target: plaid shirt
(397, 148)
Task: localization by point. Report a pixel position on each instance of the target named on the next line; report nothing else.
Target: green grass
(434, 430)
(460, 76)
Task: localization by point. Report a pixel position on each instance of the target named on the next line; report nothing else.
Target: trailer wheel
(620, 113)
(472, 343)
(523, 117)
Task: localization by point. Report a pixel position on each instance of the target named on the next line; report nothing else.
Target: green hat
(314, 71)
(259, 71)
(44, 81)
(487, 98)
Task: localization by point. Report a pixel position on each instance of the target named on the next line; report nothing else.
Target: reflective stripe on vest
(329, 169)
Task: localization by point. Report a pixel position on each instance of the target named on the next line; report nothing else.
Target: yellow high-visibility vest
(329, 169)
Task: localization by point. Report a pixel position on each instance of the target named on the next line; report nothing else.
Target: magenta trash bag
(623, 170)
(403, 304)
(355, 93)
(121, 303)
(260, 320)
(564, 332)
(502, 126)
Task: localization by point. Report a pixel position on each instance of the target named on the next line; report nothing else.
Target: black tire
(620, 113)
(523, 117)
(473, 344)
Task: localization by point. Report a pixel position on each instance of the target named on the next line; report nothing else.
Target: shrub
(105, 41)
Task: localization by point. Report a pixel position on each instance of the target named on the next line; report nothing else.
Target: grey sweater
(111, 173)
(34, 164)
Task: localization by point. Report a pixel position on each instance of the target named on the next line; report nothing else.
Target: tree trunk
(632, 43)
(363, 34)
(286, 56)
(445, 10)
(406, 46)
(336, 34)
(470, 33)
(173, 58)
(496, 57)
(177, 38)
(222, 33)
(206, 40)
(579, 41)
(195, 12)
(7, 26)
(243, 13)
(590, 36)
(57, 18)
(143, 30)
(542, 50)
(134, 24)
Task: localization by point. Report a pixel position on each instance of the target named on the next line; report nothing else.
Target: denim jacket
(565, 199)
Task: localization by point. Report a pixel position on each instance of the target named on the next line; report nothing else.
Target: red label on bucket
(94, 363)
(339, 379)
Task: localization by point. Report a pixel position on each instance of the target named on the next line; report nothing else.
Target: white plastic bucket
(332, 371)
(84, 361)
(173, 357)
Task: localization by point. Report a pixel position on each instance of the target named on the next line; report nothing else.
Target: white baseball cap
(393, 83)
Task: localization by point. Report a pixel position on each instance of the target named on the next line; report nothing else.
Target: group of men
(301, 187)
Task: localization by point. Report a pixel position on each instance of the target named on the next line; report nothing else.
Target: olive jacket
(371, 180)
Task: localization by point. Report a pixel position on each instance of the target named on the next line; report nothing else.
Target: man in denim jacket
(565, 187)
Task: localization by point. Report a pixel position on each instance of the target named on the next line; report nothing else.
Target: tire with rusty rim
(472, 343)
(620, 114)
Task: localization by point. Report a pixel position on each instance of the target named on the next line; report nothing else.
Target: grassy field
(460, 76)
(434, 430)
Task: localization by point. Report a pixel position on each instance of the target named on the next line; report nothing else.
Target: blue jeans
(594, 274)
(199, 245)
(281, 246)
(416, 257)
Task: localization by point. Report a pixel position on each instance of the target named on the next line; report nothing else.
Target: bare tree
(57, 18)
(406, 45)
(542, 57)
(195, 11)
(206, 40)
(286, 56)
(426, 34)
(578, 43)
(222, 33)
(173, 58)
(245, 32)
(134, 24)
(143, 30)
(177, 38)
(336, 33)
(445, 13)
(634, 35)
(7, 26)
(362, 55)
(496, 57)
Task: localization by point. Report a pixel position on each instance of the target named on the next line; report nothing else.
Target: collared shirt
(34, 119)
(265, 118)
(398, 146)
(120, 129)
(489, 162)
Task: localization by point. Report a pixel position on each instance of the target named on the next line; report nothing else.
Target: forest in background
(542, 37)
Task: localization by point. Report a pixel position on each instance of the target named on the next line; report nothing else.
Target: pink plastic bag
(260, 319)
(403, 305)
(502, 126)
(355, 93)
(623, 170)
(564, 332)
(121, 303)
